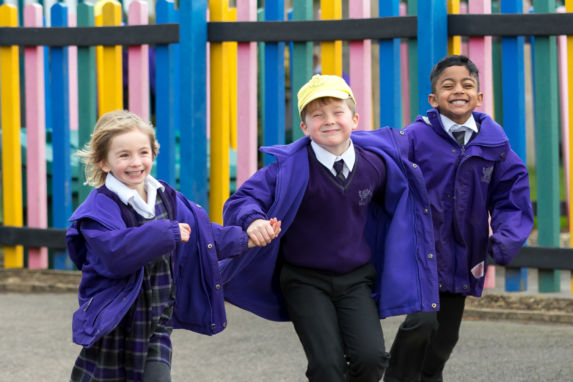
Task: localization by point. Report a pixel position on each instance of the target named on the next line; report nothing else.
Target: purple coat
(465, 186)
(112, 257)
(399, 231)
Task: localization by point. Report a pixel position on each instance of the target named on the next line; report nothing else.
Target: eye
(123, 155)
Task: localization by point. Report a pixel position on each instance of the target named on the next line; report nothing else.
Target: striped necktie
(338, 166)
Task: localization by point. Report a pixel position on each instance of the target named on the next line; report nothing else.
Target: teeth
(459, 102)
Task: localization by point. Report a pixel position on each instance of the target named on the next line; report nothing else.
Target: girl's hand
(185, 232)
(262, 232)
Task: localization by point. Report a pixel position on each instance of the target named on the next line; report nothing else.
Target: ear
(479, 99)
(433, 100)
(304, 128)
(355, 120)
(104, 167)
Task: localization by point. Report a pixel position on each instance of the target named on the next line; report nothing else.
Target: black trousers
(337, 323)
(425, 341)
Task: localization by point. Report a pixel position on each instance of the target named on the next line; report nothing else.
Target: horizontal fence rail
(528, 257)
(383, 28)
(33, 237)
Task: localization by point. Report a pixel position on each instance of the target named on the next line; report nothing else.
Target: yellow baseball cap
(322, 85)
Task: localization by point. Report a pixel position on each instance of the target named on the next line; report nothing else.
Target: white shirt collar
(469, 126)
(327, 159)
(130, 196)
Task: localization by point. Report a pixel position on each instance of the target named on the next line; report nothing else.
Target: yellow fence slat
(11, 152)
(109, 62)
(454, 42)
(569, 8)
(220, 125)
(331, 51)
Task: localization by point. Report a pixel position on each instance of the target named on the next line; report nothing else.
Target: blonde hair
(109, 125)
(325, 101)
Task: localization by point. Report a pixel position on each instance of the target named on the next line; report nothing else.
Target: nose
(329, 120)
(135, 160)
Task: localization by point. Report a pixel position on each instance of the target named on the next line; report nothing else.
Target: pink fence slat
(405, 73)
(564, 101)
(480, 54)
(479, 51)
(138, 64)
(246, 98)
(37, 195)
(73, 77)
(361, 67)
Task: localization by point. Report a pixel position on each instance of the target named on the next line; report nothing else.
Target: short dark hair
(453, 60)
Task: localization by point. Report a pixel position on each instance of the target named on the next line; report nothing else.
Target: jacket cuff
(251, 218)
(175, 231)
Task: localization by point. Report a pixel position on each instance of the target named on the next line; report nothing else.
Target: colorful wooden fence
(212, 92)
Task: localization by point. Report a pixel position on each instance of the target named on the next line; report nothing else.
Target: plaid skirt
(142, 336)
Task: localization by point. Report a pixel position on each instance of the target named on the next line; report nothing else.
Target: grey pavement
(36, 345)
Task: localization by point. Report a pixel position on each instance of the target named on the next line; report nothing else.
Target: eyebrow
(470, 78)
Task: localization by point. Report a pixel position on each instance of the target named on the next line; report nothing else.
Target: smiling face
(328, 122)
(456, 94)
(130, 159)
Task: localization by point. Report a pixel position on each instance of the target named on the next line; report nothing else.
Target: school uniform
(468, 181)
(139, 281)
(355, 248)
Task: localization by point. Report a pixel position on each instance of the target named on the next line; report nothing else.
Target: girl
(148, 258)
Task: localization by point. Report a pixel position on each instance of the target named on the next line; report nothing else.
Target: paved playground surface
(36, 345)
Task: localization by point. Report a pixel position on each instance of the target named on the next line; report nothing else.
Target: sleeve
(121, 252)
(253, 199)
(230, 241)
(510, 209)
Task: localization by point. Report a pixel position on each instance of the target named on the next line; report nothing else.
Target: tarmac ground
(36, 345)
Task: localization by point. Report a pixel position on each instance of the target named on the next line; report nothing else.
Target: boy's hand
(261, 232)
(185, 232)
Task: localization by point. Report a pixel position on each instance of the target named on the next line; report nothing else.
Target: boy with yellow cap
(355, 242)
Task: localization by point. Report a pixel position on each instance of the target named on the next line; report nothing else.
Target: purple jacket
(465, 186)
(399, 232)
(111, 256)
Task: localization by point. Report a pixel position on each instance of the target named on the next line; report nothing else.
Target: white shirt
(468, 126)
(130, 196)
(327, 159)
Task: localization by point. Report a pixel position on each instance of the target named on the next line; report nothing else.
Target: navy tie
(338, 166)
(460, 136)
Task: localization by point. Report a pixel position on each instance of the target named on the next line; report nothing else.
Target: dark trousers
(425, 341)
(337, 323)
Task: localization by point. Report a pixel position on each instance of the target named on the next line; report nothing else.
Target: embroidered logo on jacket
(365, 196)
(487, 171)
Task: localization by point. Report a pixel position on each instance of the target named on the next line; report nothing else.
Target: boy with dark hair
(471, 173)
(356, 235)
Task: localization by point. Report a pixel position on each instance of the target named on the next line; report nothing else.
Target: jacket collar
(491, 133)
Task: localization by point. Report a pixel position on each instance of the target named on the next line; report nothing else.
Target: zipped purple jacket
(399, 231)
(466, 186)
(111, 256)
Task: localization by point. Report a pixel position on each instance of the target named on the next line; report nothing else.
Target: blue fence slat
(390, 84)
(61, 167)
(193, 113)
(274, 112)
(513, 98)
(165, 97)
(432, 44)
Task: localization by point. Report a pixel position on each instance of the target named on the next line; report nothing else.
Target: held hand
(185, 231)
(262, 232)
